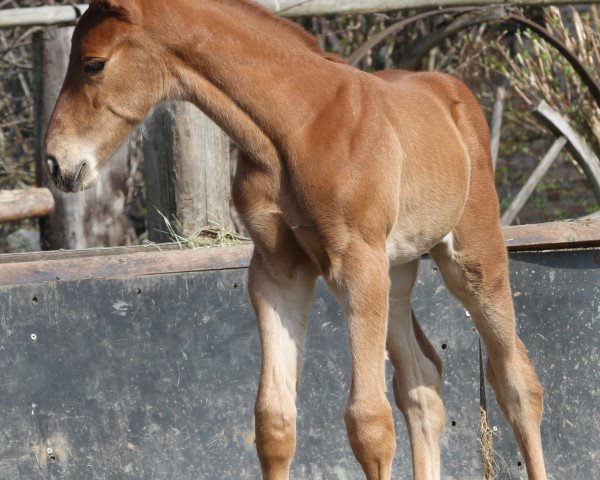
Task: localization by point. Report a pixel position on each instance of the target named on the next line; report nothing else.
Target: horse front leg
(281, 299)
(362, 283)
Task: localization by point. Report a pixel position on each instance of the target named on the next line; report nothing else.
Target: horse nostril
(81, 171)
(52, 164)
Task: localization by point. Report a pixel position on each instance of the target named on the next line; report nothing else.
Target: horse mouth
(70, 187)
(74, 185)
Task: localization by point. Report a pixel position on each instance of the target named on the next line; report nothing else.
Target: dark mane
(107, 9)
(306, 38)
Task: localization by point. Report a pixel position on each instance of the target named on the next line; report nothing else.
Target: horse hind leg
(417, 376)
(474, 265)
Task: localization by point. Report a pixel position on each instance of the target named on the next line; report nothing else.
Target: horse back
(453, 95)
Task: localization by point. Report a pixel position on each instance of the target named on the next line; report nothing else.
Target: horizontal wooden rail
(40, 16)
(159, 259)
(18, 205)
(552, 236)
(65, 15)
(151, 261)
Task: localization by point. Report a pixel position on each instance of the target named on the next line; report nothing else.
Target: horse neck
(261, 87)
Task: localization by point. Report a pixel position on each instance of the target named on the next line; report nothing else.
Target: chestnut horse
(344, 174)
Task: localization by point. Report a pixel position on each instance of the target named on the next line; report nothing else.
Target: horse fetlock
(275, 425)
(518, 387)
(275, 440)
(423, 408)
(371, 433)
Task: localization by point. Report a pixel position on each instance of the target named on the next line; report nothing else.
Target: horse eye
(94, 66)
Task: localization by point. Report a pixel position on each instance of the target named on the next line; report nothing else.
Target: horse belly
(415, 234)
(429, 209)
(405, 245)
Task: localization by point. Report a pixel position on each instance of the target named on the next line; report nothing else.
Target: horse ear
(127, 9)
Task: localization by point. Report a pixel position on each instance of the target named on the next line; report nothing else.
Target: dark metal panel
(131, 379)
(557, 301)
(155, 377)
(451, 332)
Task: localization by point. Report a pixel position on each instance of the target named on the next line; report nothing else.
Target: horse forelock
(112, 9)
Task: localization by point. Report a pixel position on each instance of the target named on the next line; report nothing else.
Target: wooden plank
(592, 216)
(159, 374)
(126, 265)
(297, 8)
(67, 15)
(82, 254)
(532, 182)
(18, 205)
(143, 261)
(550, 236)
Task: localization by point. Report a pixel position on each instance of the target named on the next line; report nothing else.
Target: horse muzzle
(71, 180)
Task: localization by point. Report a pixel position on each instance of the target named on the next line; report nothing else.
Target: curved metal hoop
(394, 29)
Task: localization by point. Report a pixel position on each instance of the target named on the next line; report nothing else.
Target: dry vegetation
(535, 70)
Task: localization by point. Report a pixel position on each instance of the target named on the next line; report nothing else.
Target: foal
(344, 175)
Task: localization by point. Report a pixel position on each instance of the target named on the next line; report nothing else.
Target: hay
(206, 237)
(487, 448)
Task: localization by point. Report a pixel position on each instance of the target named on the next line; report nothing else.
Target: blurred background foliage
(481, 55)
